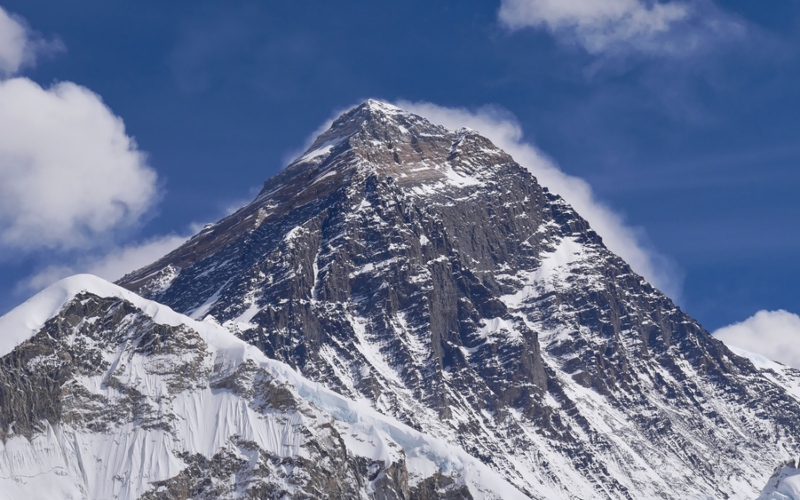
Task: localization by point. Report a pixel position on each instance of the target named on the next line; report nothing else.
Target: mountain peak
(376, 106)
(373, 140)
(372, 108)
(421, 270)
(371, 120)
(379, 138)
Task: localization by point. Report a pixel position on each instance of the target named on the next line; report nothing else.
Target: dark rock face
(213, 479)
(229, 475)
(38, 379)
(426, 271)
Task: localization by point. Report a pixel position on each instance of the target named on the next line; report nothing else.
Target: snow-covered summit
(24, 321)
(371, 122)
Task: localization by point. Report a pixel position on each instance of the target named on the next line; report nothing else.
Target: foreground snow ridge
(68, 462)
(785, 484)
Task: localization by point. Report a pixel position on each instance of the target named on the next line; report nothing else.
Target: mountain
(403, 312)
(784, 484)
(107, 395)
(424, 271)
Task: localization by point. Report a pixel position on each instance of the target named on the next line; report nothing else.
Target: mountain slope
(424, 271)
(784, 484)
(106, 395)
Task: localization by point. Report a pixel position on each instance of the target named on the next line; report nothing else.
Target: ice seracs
(784, 484)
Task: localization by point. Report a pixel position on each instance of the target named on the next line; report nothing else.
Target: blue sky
(682, 116)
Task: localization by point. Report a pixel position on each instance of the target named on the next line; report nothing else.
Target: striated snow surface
(207, 415)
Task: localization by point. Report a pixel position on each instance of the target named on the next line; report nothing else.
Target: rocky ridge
(113, 396)
(424, 271)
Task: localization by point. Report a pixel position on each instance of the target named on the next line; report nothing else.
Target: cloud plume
(20, 46)
(773, 334)
(503, 129)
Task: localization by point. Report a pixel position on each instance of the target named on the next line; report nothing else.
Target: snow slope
(785, 484)
(65, 460)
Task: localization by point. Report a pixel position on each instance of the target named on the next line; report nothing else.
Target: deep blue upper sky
(702, 151)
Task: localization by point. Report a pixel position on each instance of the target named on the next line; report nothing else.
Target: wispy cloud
(20, 45)
(110, 265)
(69, 173)
(773, 334)
(502, 128)
(623, 26)
(71, 177)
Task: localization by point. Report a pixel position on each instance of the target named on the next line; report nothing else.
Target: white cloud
(69, 174)
(111, 266)
(602, 26)
(502, 128)
(19, 45)
(773, 334)
(121, 261)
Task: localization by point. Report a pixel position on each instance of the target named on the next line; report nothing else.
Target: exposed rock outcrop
(424, 270)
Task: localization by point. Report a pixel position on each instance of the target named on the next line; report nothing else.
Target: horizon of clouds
(773, 334)
(503, 129)
(619, 27)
